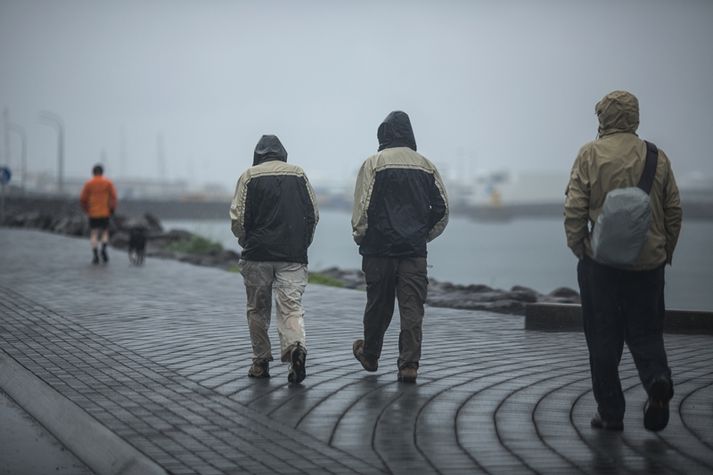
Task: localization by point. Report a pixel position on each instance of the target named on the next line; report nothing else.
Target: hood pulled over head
(396, 131)
(269, 148)
(618, 111)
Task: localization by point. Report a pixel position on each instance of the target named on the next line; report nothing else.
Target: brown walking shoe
(259, 369)
(408, 374)
(367, 363)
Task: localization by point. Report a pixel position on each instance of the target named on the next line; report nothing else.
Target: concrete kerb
(99, 448)
(568, 317)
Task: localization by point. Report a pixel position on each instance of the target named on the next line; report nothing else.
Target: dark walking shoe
(598, 423)
(367, 363)
(297, 371)
(656, 408)
(408, 374)
(95, 259)
(105, 256)
(259, 369)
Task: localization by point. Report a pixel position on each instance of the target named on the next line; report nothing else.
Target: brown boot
(367, 363)
(408, 374)
(259, 369)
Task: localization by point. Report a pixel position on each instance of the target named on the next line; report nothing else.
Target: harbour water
(528, 252)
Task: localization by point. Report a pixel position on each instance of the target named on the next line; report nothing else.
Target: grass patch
(195, 245)
(321, 279)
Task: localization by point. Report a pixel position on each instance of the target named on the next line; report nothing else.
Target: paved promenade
(158, 357)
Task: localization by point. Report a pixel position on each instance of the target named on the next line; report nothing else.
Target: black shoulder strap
(647, 176)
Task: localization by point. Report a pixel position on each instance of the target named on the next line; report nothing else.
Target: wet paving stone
(159, 354)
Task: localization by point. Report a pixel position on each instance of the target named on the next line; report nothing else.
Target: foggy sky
(488, 85)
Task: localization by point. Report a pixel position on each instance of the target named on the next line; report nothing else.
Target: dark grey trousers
(387, 279)
(618, 307)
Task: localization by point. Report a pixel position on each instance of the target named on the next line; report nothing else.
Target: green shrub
(321, 279)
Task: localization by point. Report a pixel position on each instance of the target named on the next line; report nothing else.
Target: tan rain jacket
(616, 160)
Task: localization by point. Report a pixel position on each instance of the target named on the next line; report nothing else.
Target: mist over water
(528, 252)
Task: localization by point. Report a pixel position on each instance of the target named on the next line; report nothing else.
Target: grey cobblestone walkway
(159, 355)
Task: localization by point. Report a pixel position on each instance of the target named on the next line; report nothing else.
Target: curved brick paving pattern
(161, 356)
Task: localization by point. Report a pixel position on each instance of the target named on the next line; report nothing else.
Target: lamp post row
(52, 119)
(48, 118)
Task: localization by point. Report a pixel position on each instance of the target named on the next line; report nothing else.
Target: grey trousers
(289, 280)
(387, 279)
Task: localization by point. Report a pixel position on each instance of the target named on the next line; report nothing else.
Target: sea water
(528, 252)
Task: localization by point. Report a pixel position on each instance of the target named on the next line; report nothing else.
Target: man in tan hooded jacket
(623, 305)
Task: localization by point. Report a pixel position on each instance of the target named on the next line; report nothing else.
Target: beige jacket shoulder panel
(237, 208)
(440, 226)
(362, 196)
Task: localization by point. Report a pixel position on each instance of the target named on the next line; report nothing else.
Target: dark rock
(118, 222)
(523, 295)
(478, 288)
(226, 255)
(520, 288)
(153, 223)
(119, 239)
(31, 219)
(73, 225)
(564, 292)
(445, 286)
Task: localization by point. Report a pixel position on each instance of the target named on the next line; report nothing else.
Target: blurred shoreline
(196, 209)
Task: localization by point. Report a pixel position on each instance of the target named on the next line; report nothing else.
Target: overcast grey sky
(489, 85)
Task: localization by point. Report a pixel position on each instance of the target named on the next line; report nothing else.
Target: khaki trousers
(289, 280)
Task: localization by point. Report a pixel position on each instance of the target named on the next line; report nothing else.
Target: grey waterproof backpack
(621, 228)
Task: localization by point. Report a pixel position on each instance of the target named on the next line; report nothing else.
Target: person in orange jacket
(98, 200)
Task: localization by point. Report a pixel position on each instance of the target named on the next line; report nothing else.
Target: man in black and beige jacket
(400, 204)
(274, 214)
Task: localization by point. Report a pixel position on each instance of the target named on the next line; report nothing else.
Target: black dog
(137, 245)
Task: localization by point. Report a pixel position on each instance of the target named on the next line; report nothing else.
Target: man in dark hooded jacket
(623, 304)
(400, 204)
(274, 215)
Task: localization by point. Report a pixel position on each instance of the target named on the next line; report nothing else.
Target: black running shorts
(99, 223)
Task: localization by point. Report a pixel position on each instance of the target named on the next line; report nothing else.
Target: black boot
(105, 257)
(95, 259)
(297, 373)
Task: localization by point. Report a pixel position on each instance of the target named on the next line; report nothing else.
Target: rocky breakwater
(471, 297)
(185, 246)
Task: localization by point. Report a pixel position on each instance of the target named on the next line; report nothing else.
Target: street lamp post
(6, 138)
(50, 118)
(20, 131)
